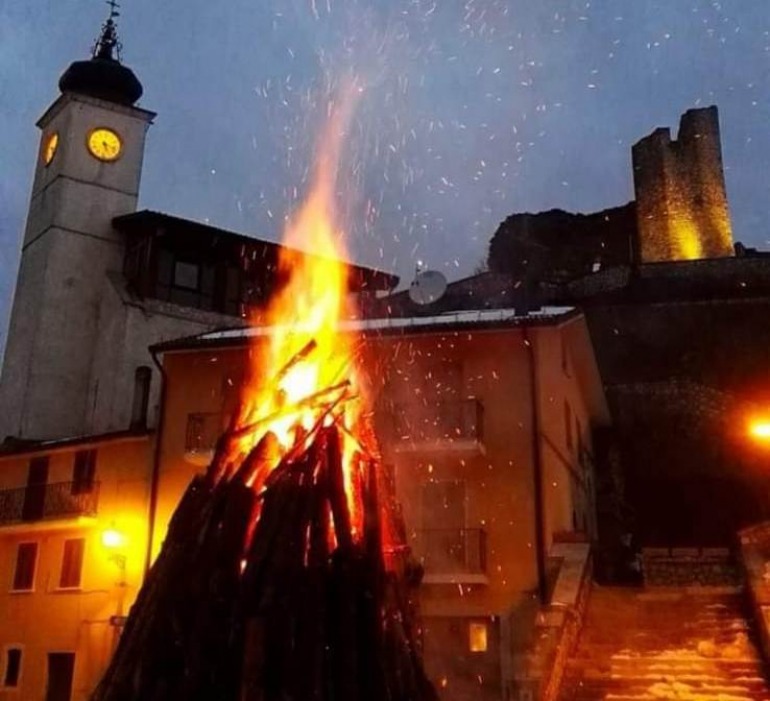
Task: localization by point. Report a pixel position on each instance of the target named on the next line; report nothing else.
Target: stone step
(666, 691)
(603, 670)
(656, 644)
(703, 681)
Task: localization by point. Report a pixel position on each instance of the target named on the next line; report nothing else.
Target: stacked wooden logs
(261, 595)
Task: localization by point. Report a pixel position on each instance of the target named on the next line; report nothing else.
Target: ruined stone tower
(681, 201)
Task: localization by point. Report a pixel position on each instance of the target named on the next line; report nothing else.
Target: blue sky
(472, 110)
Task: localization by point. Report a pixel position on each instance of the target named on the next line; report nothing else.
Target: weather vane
(108, 39)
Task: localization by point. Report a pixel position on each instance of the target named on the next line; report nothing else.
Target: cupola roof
(103, 76)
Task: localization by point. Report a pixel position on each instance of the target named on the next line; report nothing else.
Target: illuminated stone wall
(682, 208)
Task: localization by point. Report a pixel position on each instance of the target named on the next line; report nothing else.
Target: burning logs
(261, 595)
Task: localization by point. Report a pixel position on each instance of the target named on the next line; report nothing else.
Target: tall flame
(304, 376)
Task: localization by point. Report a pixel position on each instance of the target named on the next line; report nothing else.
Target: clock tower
(87, 173)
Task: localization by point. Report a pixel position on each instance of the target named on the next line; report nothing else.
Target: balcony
(48, 502)
(453, 555)
(441, 427)
(203, 431)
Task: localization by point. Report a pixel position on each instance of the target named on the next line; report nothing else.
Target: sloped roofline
(139, 221)
(490, 320)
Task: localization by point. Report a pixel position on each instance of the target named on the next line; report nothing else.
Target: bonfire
(272, 580)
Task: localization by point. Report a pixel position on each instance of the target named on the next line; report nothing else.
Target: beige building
(485, 420)
(73, 545)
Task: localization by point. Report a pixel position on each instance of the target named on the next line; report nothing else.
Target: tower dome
(103, 75)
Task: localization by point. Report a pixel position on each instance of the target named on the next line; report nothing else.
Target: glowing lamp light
(477, 637)
(113, 538)
(760, 430)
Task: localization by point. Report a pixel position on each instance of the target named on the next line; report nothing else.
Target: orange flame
(305, 375)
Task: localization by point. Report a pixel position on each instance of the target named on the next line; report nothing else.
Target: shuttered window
(83, 472)
(24, 574)
(72, 563)
(12, 667)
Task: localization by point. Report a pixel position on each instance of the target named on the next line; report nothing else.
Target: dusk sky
(471, 110)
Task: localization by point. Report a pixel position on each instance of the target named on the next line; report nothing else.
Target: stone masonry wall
(687, 567)
(682, 209)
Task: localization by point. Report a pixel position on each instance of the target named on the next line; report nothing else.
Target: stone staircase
(690, 644)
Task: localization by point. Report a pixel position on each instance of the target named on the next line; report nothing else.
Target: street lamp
(759, 430)
(115, 541)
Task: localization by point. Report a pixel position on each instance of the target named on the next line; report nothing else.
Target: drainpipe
(155, 476)
(537, 467)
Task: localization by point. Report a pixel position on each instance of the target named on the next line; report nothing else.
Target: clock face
(104, 144)
(49, 148)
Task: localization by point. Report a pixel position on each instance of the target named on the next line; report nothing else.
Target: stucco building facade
(485, 420)
(73, 539)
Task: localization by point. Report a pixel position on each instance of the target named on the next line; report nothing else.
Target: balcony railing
(442, 424)
(46, 502)
(453, 551)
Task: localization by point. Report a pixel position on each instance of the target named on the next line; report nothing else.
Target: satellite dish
(427, 287)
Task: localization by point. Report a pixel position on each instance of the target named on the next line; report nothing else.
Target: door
(61, 666)
(34, 495)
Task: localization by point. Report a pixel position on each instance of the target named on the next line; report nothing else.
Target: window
(12, 667)
(477, 636)
(186, 282)
(24, 574)
(568, 426)
(72, 563)
(34, 505)
(83, 472)
(186, 275)
(203, 431)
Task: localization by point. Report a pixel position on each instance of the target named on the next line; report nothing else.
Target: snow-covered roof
(448, 320)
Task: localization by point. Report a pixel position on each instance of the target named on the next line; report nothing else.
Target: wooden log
(313, 400)
(336, 480)
(302, 354)
(298, 622)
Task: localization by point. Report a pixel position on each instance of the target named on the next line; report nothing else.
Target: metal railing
(444, 421)
(453, 550)
(203, 431)
(39, 502)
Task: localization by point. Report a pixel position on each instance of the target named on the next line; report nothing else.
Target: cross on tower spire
(108, 42)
